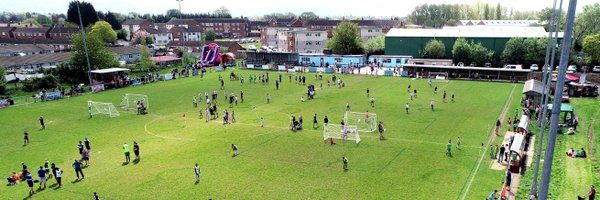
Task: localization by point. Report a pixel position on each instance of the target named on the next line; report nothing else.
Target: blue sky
(260, 7)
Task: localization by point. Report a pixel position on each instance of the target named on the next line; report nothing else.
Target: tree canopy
(346, 39)
(375, 45)
(309, 16)
(222, 12)
(586, 23)
(43, 20)
(88, 13)
(75, 70)
(113, 21)
(209, 35)
(591, 46)
(104, 31)
(434, 49)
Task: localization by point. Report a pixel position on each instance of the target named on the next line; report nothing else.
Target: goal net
(130, 101)
(347, 132)
(363, 121)
(103, 108)
(439, 76)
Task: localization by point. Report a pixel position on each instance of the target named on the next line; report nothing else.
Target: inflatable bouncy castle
(211, 55)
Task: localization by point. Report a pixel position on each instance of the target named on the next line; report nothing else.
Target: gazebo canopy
(109, 70)
(563, 108)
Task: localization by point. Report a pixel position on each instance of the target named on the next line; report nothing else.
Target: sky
(251, 8)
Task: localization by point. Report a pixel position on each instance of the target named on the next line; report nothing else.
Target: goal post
(365, 122)
(129, 101)
(103, 108)
(439, 76)
(347, 132)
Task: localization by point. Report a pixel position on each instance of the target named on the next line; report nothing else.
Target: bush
(35, 84)
(3, 88)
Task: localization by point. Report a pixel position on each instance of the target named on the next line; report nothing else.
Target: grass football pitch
(274, 162)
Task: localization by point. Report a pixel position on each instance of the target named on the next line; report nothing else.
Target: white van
(513, 66)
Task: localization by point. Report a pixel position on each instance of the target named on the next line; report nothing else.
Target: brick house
(226, 27)
(132, 25)
(6, 32)
(31, 33)
(60, 32)
(301, 41)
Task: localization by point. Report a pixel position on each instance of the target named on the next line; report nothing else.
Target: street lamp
(182, 41)
(179, 2)
(87, 56)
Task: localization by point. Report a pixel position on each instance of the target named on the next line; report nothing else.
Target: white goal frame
(346, 132)
(103, 108)
(129, 101)
(358, 119)
(440, 77)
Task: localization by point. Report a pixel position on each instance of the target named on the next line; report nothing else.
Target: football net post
(103, 108)
(439, 76)
(130, 101)
(347, 132)
(363, 121)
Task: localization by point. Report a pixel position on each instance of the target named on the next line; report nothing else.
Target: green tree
(434, 49)
(44, 20)
(461, 51)
(113, 21)
(122, 34)
(498, 12)
(487, 13)
(209, 35)
(2, 81)
(145, 63)
(375, 45)
(479, 54)
(172, 13)
(535, 51)
(587, 22)
(514, 51)
(591, 46)
(545, 16)
(88, 13)
(75, 70)
(346, 39)
(104, 31)
(222, 12)
(309, 16)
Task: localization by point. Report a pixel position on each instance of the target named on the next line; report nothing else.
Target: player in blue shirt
(77, 167)
(42, 174)
(315, 121)
(29, 179)
(87, 144)
(80, 147)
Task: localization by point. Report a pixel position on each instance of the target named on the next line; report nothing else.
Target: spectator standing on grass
(381, 129)
(508, 178)
(449, 148)
(444, 97)
(315, 123)
(498, 124)
(592, 193)
(77, 166)
(136, 150)
(25, 138)
(347, 106)
(435, 91)
(53, 169)
(345, 161)
(85, 156)
(453, 97)
(262, 122)
(493, 195)
(509, 123)
(372, 101)
(197, 171)
(492, 152)
(87, 144)
(406, 107)
(29, 179)
(42, 122)
(96, 197)
(458, 143)
(501, 153)
(268, 98)
(235, 149)
(126, 151)
(58, 176)
(432, 105)
(80, 147)
(325, 121)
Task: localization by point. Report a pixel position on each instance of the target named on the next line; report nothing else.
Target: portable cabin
(517, 153)
(389, 60)
(324, 60)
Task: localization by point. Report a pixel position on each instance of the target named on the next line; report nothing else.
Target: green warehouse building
(411, 42)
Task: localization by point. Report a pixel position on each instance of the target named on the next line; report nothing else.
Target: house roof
(35, 59)
(150, 30)
(6, 29)
(126, 50)
(22, 48)
(135, 21)
(31, 30)
(33, 41)
(60, 29)
(378, 23)
(109, 70)
(221, 20)
(195, 29)
(498, 22)
(197, 44)
(175, 21)
(259, 23)
(164, 58)
(473, 32)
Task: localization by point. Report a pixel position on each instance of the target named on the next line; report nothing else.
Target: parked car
(596, 69)
(534, 67)
(513, 66)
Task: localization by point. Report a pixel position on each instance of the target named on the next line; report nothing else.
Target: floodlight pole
(546, 80)
(560, 83)
(87, 56)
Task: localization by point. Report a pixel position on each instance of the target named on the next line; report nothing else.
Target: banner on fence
(281, 67)
(168, 76)
(250, 66)
(53, 95)
(265, 67)
(98, 88)
(3, 103)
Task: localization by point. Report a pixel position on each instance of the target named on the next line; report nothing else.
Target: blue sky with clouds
(261, 7)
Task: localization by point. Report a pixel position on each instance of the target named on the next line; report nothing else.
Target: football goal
(440, 77)
(363, 121)
(130, 101)
(348, 132)
(103, 108)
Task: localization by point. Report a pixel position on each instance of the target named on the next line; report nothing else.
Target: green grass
(274, 162)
